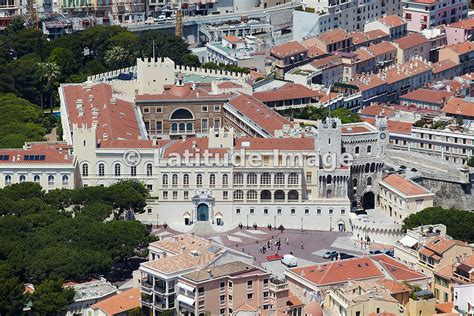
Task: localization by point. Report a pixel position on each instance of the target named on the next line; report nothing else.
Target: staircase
(203, 229)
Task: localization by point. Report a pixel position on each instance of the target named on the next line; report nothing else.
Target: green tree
(50, 72)
(50, 298)
(65, 59)
(116, 57)
(346, 116)
(470, 163)
(12, 299)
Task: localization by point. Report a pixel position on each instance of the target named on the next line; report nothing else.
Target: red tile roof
(341, 271)
(258, 112)
(327, 62)
(444, 65)
(393, 286)
(411, 40)
(444, 307)
(397, 270)
(121, 303)
(313, 51)
(428, 96)
(358, 38)
(464, 24)
(113, 121)
(288, 91)
(232, 39)
(288, 49)
(405, 186)
(461, 48)
(393, 126)
(458, 106)
(382, 48)
(377, 110)
(54, 153)
(441, 245)
(375, 34)
(392, 20)
(334, 36)
(185, 92)
(355, 129)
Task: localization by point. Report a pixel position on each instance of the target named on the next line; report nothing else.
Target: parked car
(375, 252)
(329, 254)
(390, 252)
(289, 261)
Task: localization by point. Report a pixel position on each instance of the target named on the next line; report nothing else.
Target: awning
(185, 286)
(185, 300)
(408, 241)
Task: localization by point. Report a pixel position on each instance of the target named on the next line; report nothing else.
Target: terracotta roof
(259, 113)
(428, 96)
(393, 126)
(226, 269)
(232, 39)
(367, 82)
(405, 186)
(458, 106)
(339, 271)
(363, 54)
(397, 270)
(443, 65)
(313, 51)
(114, 118)
(355, 129)
(441, 245)
(411, 40)
(375, 34)
(38, 154)
(327, 62)
(120, 303)
(293, 300)
(461, 48)
(288, 49)
(392, 20)
(393, 286)
(382, 48)
(334, 36)
(464, 24)
(176, 243)
(406, 70)
(444, 307)
(184, 92)
(377, 110)
(358, 38)
(269, 144)
(444, 271)
(288, 91)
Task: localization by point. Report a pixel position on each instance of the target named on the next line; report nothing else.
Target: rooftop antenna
(153, 50)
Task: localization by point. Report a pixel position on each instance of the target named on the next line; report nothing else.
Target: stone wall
(449, 194)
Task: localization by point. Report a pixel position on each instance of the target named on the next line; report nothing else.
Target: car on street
(330, 254)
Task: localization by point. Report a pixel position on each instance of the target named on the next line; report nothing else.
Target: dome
(180, 91)
(313, 309)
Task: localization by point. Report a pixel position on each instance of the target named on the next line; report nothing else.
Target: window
(174, 180)
(199, 179)
(50, 179)
(217, 108)
(149, 169)
(133, 171)
(225, 180)
(204, 124)
(279, 178)
(22, 178)
(175, 195)
(186, 180)
(318, 211)
(8, 180)
(158, 109)
(237, 211)
(238, 195)
(331, 212)
(265, 294)
(117, 169)
(186, 195)
(201, 290)
(293, 178)
(369, 180)
(343, 212)
(204, 108)
(101, 170)
(85, 170)
(293, 211)
(265, 178)
(222, 285)
(65, 180)
(357, 150)
(306, 212)
(165, 195)
(252, 178)
(217, 123)
(225, 195)
(36, 178)
(369, 149)
(249, 283)
(212, 180)
(265, 211)
(251, 195)
(279, 211)
(164, 180)
(250, 296)
(265, 281)
(252, 211)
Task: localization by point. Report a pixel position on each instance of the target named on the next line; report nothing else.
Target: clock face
(383, 135)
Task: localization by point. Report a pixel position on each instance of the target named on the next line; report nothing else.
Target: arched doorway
(203, 212)
(368, 201)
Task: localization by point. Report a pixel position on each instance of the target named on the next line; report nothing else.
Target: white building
(87, 294)
(464, 298)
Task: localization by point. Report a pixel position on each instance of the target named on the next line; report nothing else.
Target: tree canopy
(314, 113)
(459, 223)
(46, 238)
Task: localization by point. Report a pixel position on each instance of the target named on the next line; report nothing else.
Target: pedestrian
(302, 245)
(287, 241)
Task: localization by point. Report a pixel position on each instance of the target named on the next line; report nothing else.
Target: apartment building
(445, 278)
(316, 17)
(393, 25)
(462, 54)
(422, 14)
(173, 257)
(400, 197)
(223, 289)
(440, 252)
(412, 46)
(459, 32)
(331, 41)
(288, 56)
(426, 99)
(461, 109)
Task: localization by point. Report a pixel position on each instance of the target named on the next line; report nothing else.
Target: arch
(8, 179)
(65, 179)
(85, 169)
(238, 195)
(238, 178)
(174, 127)
(265, 178)
(367, 168)
(293, 195)
(22, 178)
(36, 178)
(252, 178)
(164, 179)
(279, 195)
(329, 179)
(199, 179)
(202, 212)
(372, 167)
(279, 178)
(182, 127)
(50, 179)
(117, 169)
(181, 114)
(189, 127)
(328, 194)
(186, 179)
(149, 170)
(369, 181)
(101, 169)
(293, 178)
(225, 179)
(265, 195)
(252, 195)
(212, 179)
(368, 200)
(174, 179)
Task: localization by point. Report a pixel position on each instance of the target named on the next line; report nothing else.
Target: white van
(289, 261)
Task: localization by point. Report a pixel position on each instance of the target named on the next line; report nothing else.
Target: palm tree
(115, 57)
(50, 72)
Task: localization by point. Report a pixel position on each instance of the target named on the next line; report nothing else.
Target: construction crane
(179, 21)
